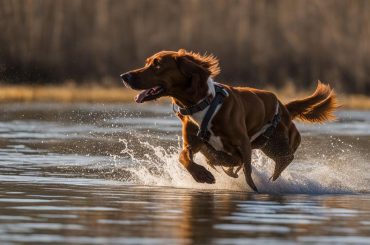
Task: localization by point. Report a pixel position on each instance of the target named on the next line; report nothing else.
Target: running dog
(223, 122)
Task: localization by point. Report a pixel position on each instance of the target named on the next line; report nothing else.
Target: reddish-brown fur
(317, 108)
(183, 76)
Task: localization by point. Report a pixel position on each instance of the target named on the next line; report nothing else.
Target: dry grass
(20, 93)
(71, 94)
(360, 102)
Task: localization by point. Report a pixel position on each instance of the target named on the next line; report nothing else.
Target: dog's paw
(230, 171)
(201, 174)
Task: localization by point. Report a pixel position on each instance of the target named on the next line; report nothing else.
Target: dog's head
(182, 75)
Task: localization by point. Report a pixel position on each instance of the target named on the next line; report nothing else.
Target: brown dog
(222, 122)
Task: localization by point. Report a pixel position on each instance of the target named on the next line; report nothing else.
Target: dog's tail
(317, 108)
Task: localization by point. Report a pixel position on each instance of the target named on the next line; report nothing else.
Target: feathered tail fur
(317, 108)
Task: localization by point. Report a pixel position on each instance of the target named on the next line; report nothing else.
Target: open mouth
(149, 94)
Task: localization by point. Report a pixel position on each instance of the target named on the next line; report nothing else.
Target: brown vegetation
(71, 93)
(265, 42)
(26, 93)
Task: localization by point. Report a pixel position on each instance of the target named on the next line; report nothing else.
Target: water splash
(154, 165)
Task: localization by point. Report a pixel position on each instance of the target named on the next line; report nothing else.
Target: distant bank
(100, 94)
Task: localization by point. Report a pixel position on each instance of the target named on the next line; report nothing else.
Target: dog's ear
(196, 75)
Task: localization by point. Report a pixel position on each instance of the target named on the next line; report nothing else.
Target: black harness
(203, 132)
(220, 95)
(264, 138)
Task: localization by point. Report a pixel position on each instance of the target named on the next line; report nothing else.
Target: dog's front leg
(191, 145)
(199, 173)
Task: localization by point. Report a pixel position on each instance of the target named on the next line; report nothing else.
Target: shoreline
(99, 94)
(65, 94)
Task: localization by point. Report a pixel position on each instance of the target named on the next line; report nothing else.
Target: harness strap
(269, 129)
(221, 93)
(211, 103)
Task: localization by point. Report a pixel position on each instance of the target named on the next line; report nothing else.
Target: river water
(109, 174)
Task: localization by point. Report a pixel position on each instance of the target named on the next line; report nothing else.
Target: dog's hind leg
(247, 167)
(281, 163)
(246, 155)
(227, 162)
(281, 148)
(231, 171)
(241, 158)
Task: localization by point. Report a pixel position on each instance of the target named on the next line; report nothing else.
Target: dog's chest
(214, 141)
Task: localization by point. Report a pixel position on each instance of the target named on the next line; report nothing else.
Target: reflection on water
(108, 174)
(115, 213)
(119, 214)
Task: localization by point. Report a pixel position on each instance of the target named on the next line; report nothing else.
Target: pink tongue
(140, 97)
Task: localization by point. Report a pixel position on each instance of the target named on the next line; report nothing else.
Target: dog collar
(200, 106)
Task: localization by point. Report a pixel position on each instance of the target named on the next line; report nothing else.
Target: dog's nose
(126, 77)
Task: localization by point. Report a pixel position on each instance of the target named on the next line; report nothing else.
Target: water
(108, 174)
